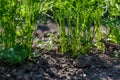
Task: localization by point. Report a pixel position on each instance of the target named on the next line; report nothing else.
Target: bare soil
(57, 66)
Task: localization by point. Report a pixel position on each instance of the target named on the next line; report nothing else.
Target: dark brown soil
(56, 66)
(53, 65)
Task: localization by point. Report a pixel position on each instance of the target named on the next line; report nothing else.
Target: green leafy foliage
(16, 54)
(79, 16)
(17, 18)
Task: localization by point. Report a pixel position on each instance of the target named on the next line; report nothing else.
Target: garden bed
(53, 65)
(75, 40)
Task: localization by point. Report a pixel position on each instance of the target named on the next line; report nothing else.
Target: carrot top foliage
(18, 18)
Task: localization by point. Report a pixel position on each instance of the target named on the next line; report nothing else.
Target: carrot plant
(16, 27)
(113, 20)
(114, 30)
(78, 17)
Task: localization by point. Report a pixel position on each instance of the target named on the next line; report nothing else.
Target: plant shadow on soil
(53, 65)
